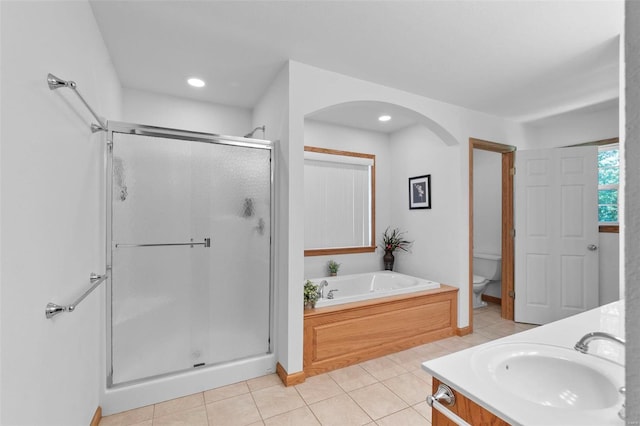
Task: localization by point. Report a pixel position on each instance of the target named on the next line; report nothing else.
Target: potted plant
(333, 267)
(311, 294)
(392, 240)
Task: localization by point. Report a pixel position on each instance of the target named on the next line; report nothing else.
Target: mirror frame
(359, 249)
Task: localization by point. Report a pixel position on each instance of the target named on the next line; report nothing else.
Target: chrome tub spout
(321, 287)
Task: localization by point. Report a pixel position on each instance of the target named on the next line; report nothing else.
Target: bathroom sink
(551, 376)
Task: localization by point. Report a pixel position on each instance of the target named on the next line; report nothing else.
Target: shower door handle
(206, 244)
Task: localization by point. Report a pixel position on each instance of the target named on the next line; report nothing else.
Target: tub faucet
(330, 295)
(321, 287)
(583, 344)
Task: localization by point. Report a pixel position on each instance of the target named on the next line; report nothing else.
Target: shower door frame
(187, 136)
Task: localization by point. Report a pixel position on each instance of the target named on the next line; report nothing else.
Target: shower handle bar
(53, 309)
(206, 244)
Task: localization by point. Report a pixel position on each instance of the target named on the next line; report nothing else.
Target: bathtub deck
(343, 335)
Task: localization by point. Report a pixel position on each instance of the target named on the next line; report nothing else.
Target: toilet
(487, 267)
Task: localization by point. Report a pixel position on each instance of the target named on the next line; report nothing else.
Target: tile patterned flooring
(385, 391)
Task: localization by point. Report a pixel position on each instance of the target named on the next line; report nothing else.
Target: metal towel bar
(52, 309)
(206, 243)
(56, 83)
(449, 414)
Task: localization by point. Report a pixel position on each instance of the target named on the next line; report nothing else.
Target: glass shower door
(177, 305)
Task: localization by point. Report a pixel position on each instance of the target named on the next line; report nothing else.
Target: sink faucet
(583, 347)
(583, 344)
(321, 286)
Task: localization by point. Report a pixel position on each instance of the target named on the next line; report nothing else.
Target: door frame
(508, 231)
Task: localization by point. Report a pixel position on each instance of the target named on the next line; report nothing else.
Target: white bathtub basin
(358, 287)
(551, 376)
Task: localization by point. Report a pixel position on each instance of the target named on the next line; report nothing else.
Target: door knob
(592, 247)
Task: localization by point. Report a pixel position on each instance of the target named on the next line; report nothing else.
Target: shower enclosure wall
(189, 247)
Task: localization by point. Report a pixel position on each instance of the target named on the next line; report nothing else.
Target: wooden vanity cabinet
(468, 410)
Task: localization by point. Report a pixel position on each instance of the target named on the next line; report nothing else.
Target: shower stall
(189, 220)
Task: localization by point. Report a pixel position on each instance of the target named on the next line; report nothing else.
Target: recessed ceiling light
(384, 118)
(195, 82)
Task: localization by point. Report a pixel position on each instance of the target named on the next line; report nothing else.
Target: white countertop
(457, 370)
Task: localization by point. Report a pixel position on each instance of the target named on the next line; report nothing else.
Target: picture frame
(420, 192)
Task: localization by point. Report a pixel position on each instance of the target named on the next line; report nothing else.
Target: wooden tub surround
(342, 335)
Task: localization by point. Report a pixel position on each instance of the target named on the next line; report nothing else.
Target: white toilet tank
(487, 265)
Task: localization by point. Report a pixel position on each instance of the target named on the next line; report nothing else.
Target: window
(339, 202)
(608, 182)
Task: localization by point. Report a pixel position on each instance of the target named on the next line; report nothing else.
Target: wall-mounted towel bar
(56, 83)
(52, 309)
(206, 243)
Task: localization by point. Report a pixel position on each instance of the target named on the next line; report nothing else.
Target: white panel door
(556, 220)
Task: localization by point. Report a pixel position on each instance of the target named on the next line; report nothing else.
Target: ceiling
(521, 60)
(364, 115)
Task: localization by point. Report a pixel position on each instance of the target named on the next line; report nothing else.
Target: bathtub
(371, 285)
(373, 315)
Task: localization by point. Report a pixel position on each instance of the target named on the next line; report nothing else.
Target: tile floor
(385, 391)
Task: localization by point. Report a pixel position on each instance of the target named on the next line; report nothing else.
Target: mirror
(339, 202)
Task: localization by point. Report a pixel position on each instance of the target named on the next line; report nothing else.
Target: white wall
(143, 107)
(343, 138)
(52, 211)
(272, 110)
(631, 208)
(312, 89)
(417, 152)
(609, 268)
(487, 208)
(487, 201)
(574, 127)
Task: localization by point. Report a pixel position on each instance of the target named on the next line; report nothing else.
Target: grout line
(206, 412)
(225, 398)
(361, 407)
(308, 406)
(255, 403)
(323, 399)
(396, 412)
(314, 414)
(393, 392)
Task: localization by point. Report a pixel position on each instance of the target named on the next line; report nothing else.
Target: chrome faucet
(583, 344)
(330, 295)
(583, 347)
(321, 287)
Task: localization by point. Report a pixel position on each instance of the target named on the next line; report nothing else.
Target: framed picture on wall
(420, 192)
